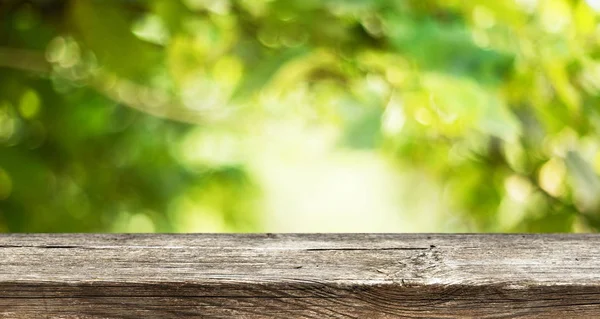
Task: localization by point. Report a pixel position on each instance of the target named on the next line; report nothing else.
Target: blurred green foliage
(150, 115)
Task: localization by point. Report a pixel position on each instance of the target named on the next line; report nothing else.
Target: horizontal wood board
(299, 276)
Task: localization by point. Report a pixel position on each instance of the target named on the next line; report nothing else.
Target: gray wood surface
(85, 276)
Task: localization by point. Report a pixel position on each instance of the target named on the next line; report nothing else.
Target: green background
(299, 115)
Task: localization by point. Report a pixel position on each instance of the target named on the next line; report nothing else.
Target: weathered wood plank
(299, 276)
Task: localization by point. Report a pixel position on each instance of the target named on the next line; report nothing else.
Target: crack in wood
(366, 249)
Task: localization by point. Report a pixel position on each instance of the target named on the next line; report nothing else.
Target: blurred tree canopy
(140, 115)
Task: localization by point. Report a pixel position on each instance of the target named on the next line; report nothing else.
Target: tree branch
(167, 108)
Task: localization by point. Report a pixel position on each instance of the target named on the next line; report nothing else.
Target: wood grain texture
(299, 276)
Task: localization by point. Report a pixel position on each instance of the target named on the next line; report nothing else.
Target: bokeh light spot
(552, 177)
(594, 4)
(483, 17)
(152, 29)
(30, 104)
(140, 223)
(518, 188)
